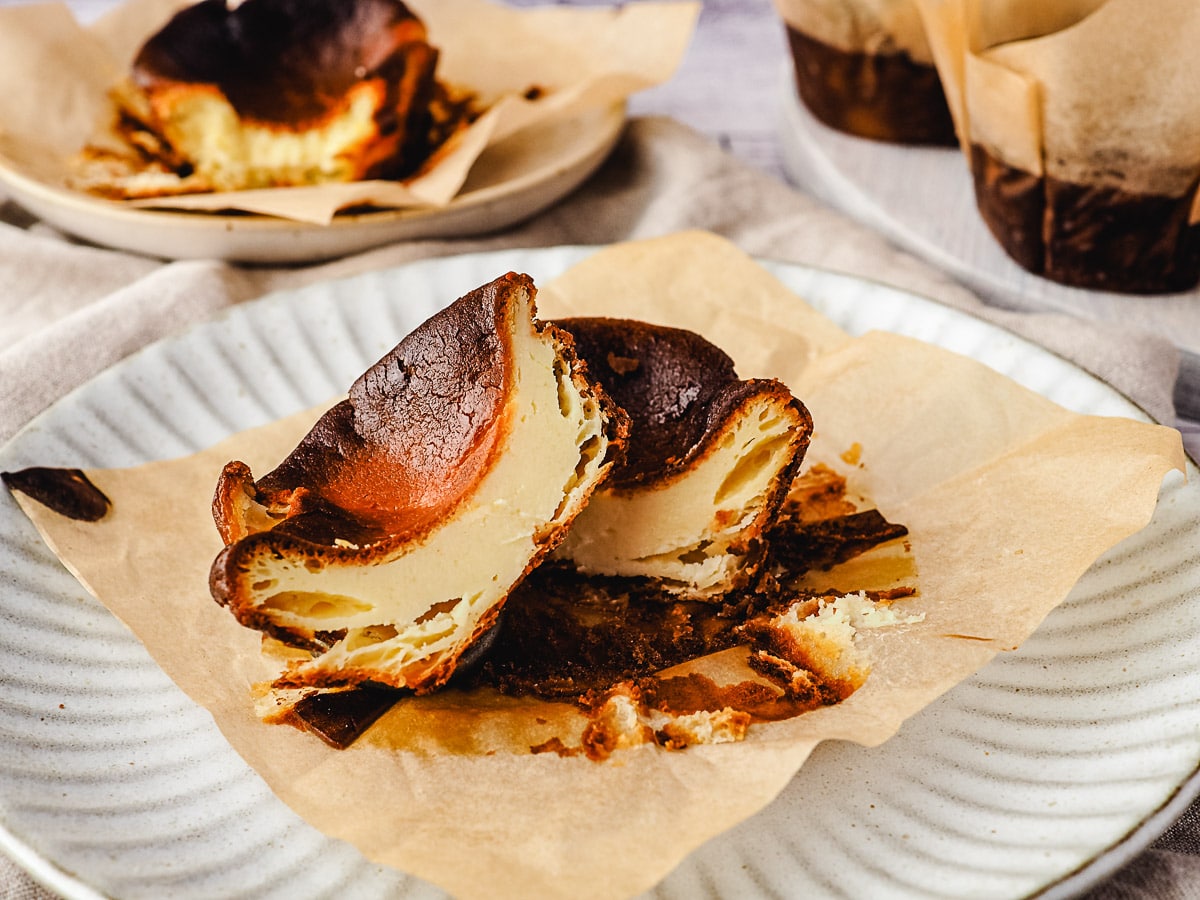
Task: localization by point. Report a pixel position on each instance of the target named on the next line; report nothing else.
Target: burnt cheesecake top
(678, 389)
(286, 62)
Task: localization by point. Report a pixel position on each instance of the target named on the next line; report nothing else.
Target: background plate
(1046, 770)
(510, 182)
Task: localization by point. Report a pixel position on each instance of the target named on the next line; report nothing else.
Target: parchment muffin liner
(1081, 126)
(864, 67)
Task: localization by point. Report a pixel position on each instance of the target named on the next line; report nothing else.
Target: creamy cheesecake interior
(691, 532)
(230, 153)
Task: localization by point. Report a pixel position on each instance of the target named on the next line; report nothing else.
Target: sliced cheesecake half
(710, 460)
(386, 543)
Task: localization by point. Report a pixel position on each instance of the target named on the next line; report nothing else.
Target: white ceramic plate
(923, 199)
(510, 182)
(1043, 772)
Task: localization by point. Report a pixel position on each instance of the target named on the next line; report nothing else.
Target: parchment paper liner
(1008, 498)
(861, 26)
(584, 57)
(1092, 92)
(864, 67)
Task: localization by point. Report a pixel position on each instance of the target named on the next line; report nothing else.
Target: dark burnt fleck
(66, 491)
(339, 718)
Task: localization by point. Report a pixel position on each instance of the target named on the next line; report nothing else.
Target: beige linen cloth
(68, 311)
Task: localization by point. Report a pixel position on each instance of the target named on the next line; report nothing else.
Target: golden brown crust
(232, 501)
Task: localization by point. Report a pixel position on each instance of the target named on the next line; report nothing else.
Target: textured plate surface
(510, 182)
(1064, 757)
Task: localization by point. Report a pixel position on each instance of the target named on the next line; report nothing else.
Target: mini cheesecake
(884, 96)
(387, 542)
(276, 93)
(866, 68)
(710, 460)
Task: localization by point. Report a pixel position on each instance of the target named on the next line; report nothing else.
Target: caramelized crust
(283, 61)
(1089, 236)
(415, 435)
(679, 390)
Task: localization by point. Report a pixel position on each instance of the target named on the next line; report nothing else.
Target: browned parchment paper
(861, 26)
(1094, 92)
(581, 57)
(1008, 498)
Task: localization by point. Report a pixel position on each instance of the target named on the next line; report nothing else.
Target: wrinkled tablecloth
(69, 310)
